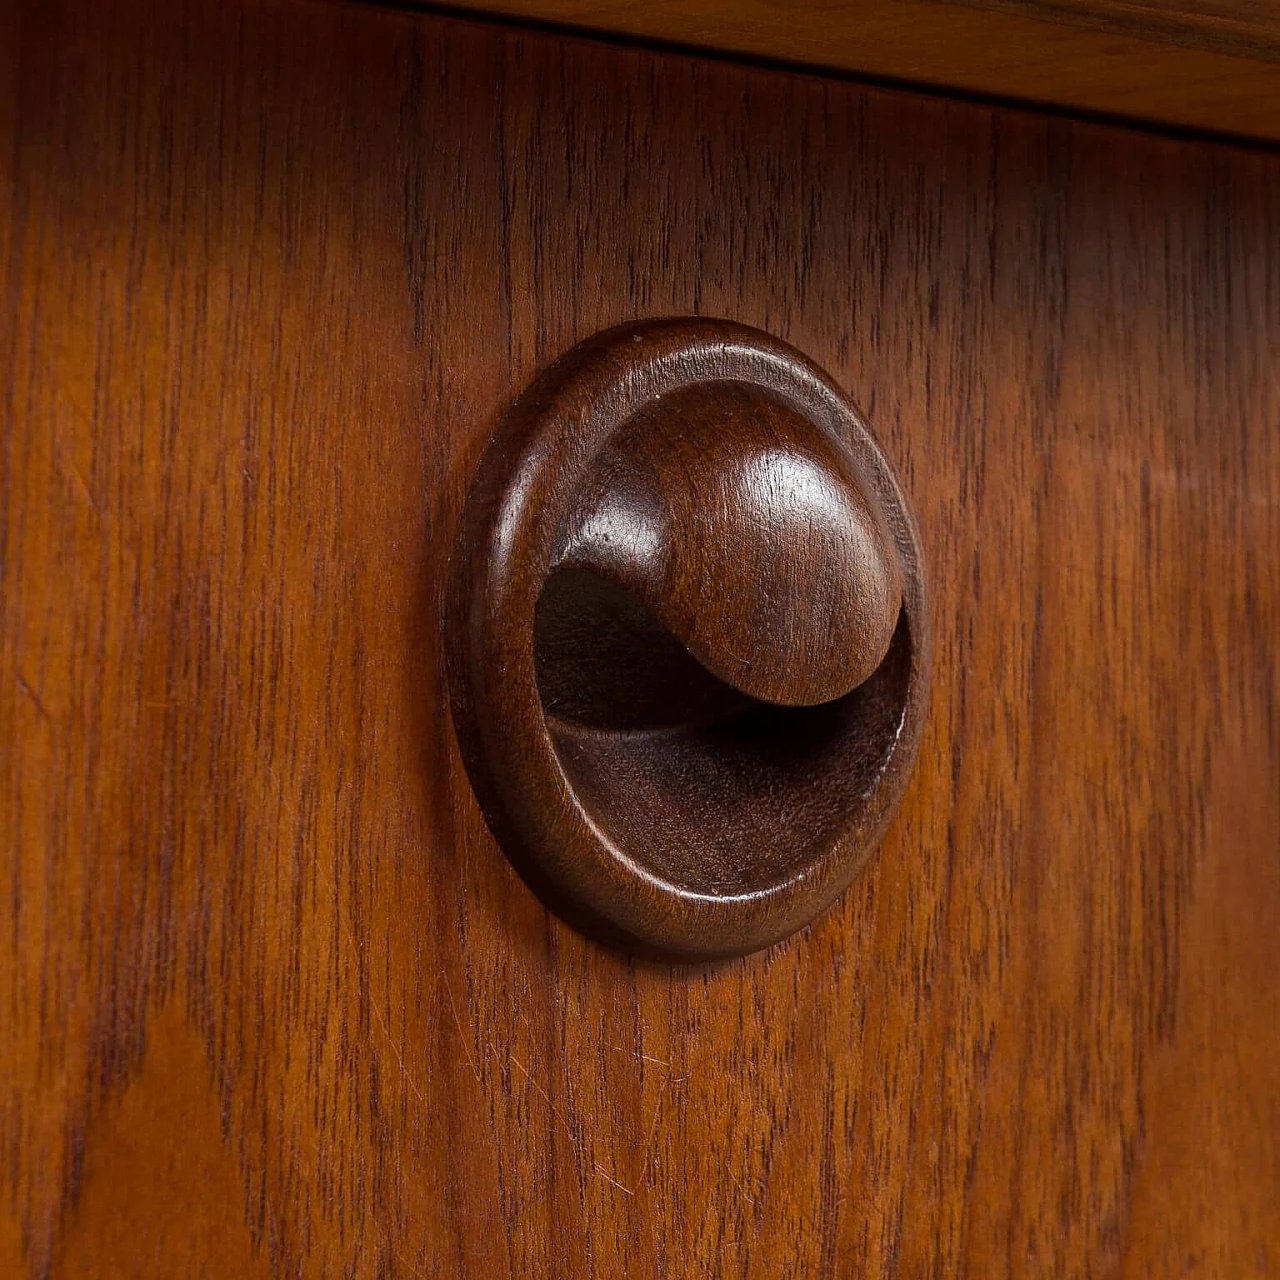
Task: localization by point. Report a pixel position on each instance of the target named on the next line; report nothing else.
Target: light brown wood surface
(1206, 64)
(272, 1002)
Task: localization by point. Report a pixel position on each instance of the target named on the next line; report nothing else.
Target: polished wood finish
(272, 1002)
(1207, 65)
(688, 636)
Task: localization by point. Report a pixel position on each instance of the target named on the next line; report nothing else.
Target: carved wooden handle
(687, 638)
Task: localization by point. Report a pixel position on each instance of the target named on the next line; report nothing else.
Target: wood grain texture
(271, 999)
(1234, 26)
(1208, 64)
(692, 507)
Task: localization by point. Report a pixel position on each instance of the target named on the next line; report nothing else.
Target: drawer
(275, 999)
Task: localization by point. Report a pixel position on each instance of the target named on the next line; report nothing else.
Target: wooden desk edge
(1208, 68)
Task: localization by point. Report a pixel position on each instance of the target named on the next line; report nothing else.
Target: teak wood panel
(271, 1000)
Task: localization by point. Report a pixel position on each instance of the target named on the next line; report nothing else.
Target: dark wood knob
(687, 638)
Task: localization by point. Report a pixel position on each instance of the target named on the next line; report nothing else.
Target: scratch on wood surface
(555, 1111)
(462, 1036)
(417, 1271)
(614, 1181)
(35, 697)
(352, 946)
(78, 483)
(397, 1254)
(640, 1057)
(653, 1131)
(395, 1048)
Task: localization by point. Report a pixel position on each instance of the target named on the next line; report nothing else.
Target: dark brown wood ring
(687, 638)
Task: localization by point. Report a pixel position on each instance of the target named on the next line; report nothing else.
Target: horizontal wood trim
(1212, 66)
(1231, 26)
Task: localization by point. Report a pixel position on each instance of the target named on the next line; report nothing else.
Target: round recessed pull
(687, 638)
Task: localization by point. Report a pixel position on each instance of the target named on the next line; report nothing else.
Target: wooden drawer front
(272, 1002)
